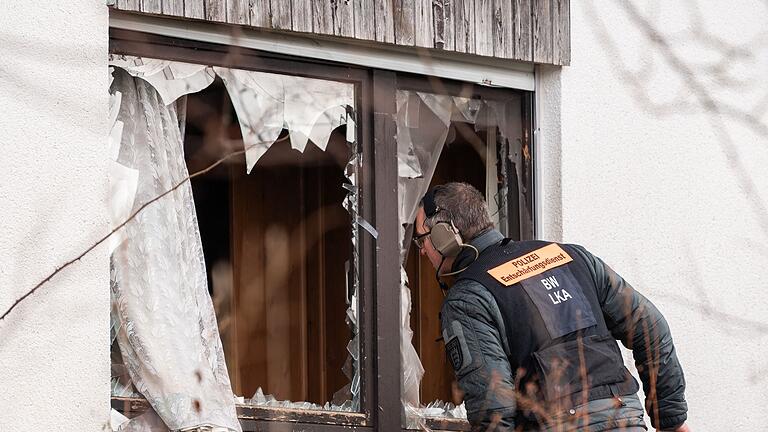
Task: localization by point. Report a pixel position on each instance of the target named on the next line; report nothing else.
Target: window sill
(253, 417)
(448, 424)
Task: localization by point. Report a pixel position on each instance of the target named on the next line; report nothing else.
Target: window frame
(254, 418)
(378, 203)
(429, 84)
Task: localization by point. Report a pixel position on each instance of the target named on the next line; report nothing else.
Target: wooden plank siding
(484, 27)
(171, 7)
(343, 17)
(194, 9)
(464, 15)
(301, 11)
(542, 31)
(128, 4)
(281, 14)
(449, 25)
(238, 12)
(365, 27)
(215, 10)
(322, 18)
(524, 30)
(260, 13)
(152, 6)
(424, 28)
(405, 23)
(503, 29)
(384, 20)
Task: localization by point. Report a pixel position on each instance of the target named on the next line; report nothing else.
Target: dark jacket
(472, 323)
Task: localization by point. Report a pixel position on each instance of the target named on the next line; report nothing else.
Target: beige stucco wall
(670, 190)
(54, 348)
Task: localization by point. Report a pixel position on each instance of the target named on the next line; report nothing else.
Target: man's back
(530, 329)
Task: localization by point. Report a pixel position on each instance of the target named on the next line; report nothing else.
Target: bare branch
(715, 110)
(130, 218)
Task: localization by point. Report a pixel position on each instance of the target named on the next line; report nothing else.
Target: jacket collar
(481, 242)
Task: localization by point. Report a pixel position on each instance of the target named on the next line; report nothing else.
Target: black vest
(554, 324)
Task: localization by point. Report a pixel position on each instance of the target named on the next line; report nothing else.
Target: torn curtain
(166, 327)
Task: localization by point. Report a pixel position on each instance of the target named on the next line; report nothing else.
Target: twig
(131, 217)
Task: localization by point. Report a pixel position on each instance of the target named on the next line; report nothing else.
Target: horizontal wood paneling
(524, 30)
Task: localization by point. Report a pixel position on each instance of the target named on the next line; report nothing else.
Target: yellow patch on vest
(530, 264)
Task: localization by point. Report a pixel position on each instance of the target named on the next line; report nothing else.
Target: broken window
(284, 246)
(241, 285)
(441, 138)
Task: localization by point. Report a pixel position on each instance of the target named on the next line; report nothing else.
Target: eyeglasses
(420, 239)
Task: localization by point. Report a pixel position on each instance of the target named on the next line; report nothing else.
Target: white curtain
(164, 318)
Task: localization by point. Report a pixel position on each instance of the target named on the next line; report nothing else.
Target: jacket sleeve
(473, 334)
(639, 325)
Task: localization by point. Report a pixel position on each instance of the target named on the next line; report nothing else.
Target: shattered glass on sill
(442, 409)
(265, 104)
(261, 400)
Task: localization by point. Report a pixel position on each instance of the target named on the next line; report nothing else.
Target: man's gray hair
(463, 205)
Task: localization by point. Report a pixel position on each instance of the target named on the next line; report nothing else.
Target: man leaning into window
(530, 328)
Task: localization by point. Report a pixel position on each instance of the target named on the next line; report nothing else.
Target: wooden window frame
(381, 407)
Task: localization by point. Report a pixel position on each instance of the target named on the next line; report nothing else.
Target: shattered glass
(260, 399)
(170, 79)
(268, 103)
(265, 104)
(423, 122)
(351, 392)
(406, 117)
(424, 141)
(436, 409)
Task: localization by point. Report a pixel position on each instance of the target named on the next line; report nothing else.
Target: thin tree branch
(714, 110)
(130, 218)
